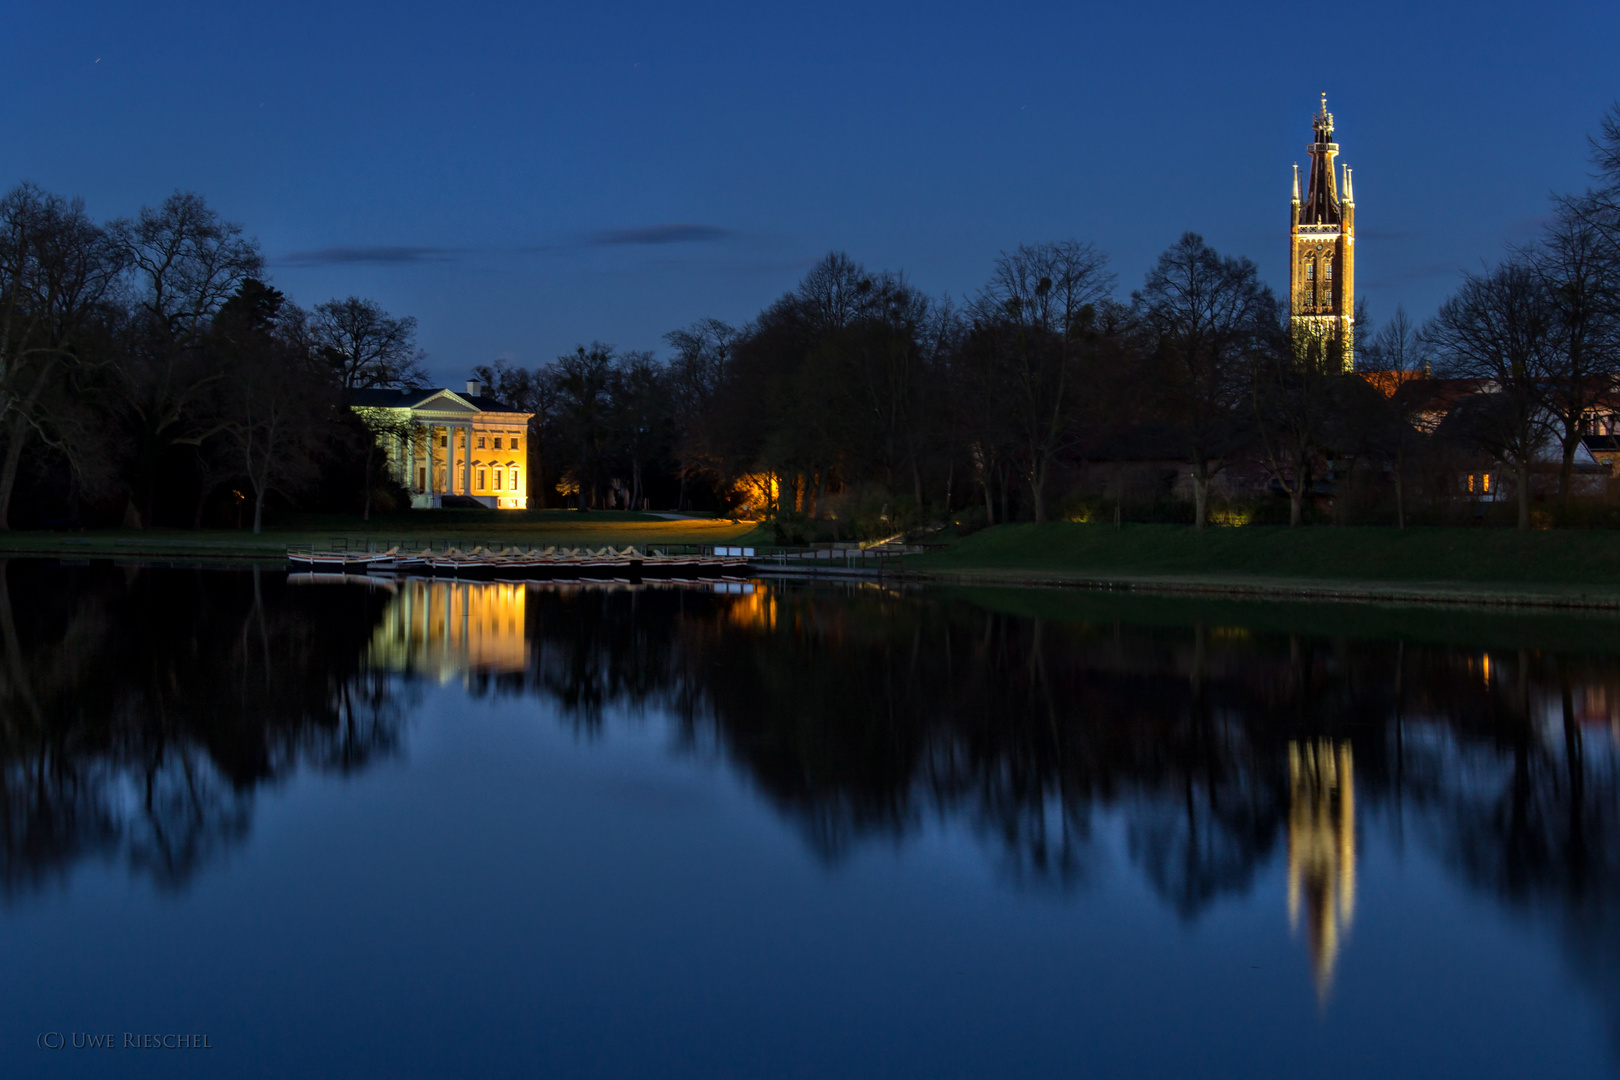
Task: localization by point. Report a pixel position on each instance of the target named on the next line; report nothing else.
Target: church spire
(1322, 197)
(1322, 260)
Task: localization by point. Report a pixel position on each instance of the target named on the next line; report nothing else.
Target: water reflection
(141, 709)
(1322, 848)
(445, 628)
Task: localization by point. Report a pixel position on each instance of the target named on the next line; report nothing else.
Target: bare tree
(185, 262)
(1040, 305)
(277, 399)
(382, 428)
(582, 382)
(1397, 348)
(1293, 394)
(1205, 317)
(1502, 328)
(702, 353)
(367, 346)
(1580, 276)
(56, 271)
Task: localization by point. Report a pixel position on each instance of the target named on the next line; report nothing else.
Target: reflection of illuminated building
(1321, 848)
(447, 627)
(755, 608)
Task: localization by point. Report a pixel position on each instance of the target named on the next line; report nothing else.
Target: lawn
(1458, 556)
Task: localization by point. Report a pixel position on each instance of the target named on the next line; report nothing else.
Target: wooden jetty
(548, 564)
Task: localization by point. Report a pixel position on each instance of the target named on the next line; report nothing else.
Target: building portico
(444, 444)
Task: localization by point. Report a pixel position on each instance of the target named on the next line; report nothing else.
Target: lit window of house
(483, 478)
(480, 446)
(1485, 482)
(514, 480)
(497, 442)
(514, 442)
(497, 480)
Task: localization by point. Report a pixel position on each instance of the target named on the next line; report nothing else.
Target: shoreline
(271, 549)
(1446, 594)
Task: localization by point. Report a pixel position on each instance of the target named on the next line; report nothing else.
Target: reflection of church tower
(1322, 261)
(1321, 849)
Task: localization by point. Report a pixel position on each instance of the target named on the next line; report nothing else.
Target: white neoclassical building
(443, 443)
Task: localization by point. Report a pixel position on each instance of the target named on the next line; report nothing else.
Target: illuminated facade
(1322, 259)
(1321, 849)
(443, 443)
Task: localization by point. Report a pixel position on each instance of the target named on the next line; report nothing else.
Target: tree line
(149, 373)
(857, 405)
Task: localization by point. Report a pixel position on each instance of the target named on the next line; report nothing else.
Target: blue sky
(523, 178)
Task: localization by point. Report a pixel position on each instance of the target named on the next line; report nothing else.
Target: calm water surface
(422, 829)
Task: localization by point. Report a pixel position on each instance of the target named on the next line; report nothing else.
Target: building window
(444, 440)
(1485, 483)
(497, 442)
(514, 480)
(480, 442)
(497, 480)
(421, 478)
(1327, 271)
(483, 479)
(514, 442)
(1310, 269)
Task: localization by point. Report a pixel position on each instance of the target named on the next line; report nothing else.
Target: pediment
(446, 401)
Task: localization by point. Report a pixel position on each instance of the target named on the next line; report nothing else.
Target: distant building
(1322, 258)
(449, 448)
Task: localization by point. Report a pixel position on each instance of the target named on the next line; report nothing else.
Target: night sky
(526, 178)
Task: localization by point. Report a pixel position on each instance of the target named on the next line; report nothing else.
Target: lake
(261, 825)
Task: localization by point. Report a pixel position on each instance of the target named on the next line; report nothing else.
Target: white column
(408, 458)
(431, 437)
(466, 461)
(449, 459)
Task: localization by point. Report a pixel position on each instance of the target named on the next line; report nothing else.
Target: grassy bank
(1462, 561)
(464, 528)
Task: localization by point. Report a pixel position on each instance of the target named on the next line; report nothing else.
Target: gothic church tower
(1322, 262)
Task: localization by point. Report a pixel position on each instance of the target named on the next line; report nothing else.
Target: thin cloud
(373, 256)
(658, 234)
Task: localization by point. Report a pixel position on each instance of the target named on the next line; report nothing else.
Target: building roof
(415, 397)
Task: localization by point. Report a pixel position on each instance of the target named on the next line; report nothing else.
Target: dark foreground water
(336, 829)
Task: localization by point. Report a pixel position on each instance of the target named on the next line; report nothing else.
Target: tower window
(1327, 271)
(1310, 270)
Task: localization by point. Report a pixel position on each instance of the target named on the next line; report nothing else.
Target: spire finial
(1324, 103)
(1349, 185)
(1296, 181)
